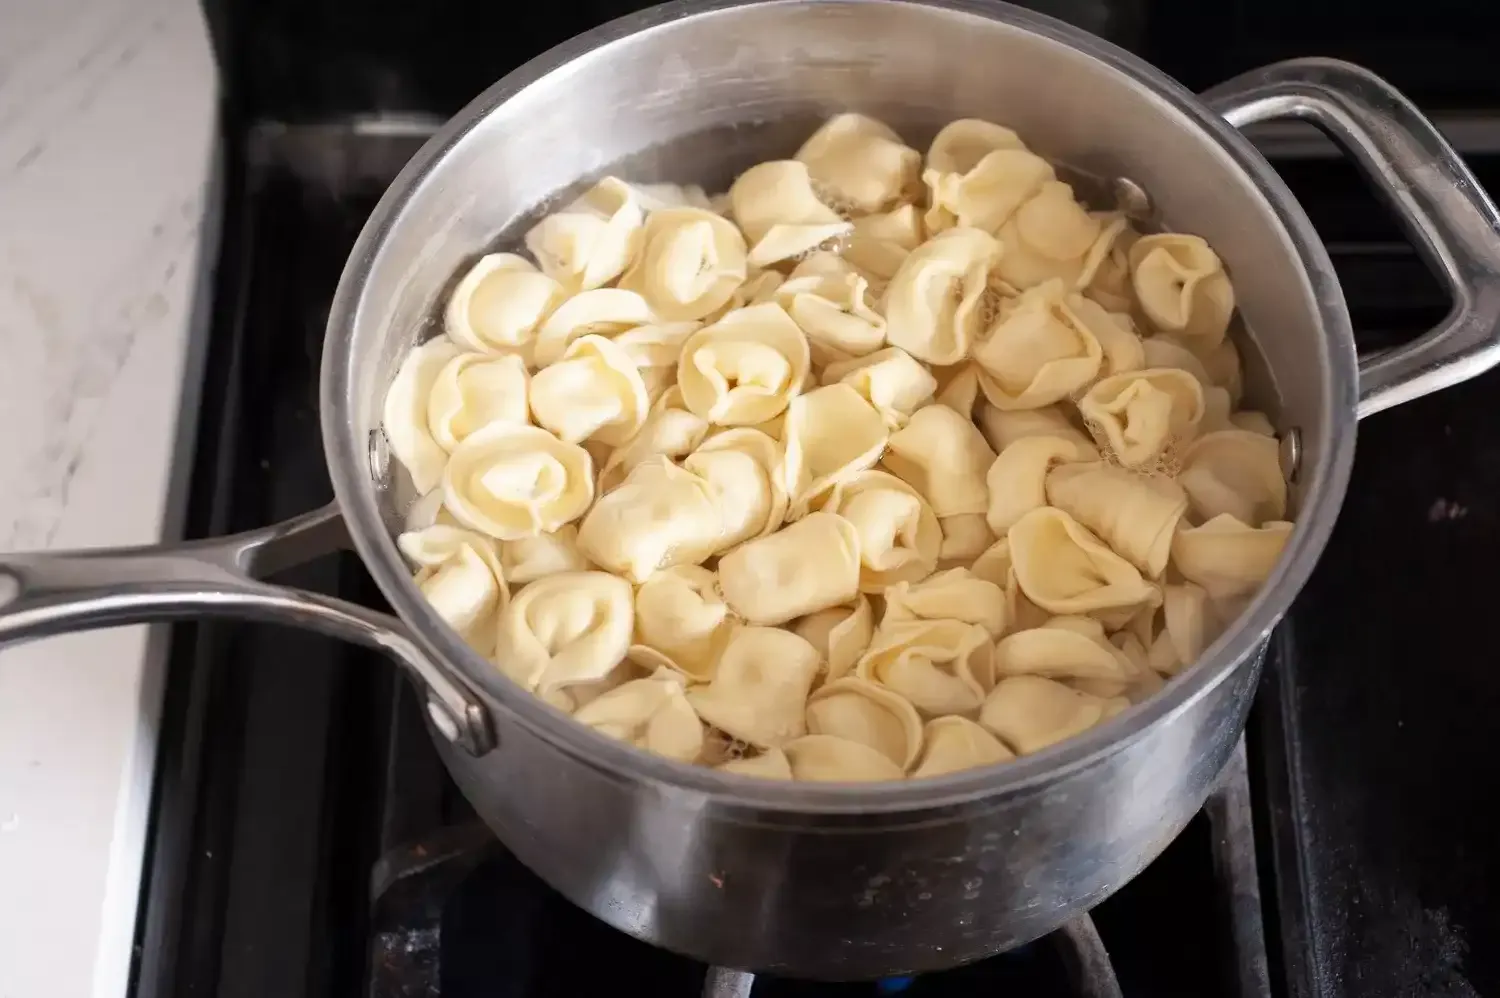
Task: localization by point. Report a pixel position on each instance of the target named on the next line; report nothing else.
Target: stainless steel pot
(815, 880)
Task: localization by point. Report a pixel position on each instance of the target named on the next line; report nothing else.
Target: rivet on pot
(10, 588)
(442, 720)
(1291, 453)
(380, 459)
(1132, 199)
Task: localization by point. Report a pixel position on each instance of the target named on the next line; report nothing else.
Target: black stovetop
(307, 843)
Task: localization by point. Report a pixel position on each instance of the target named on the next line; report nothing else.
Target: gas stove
(307, 841)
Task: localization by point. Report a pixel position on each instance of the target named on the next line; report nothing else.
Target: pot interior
(662, 97)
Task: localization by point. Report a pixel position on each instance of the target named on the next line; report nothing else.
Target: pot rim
(347, 463)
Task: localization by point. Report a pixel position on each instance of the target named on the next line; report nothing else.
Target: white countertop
(107, 114)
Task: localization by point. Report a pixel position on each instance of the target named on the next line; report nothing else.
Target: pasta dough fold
(759, 689)
(459, 574)
(565, 630)
(651, 714)
(934, 306)
(872, 715)
(810, 565)
(1040, 351)
(659, 517)
(840, 634)
(1065, 569)
(690, 264)
(499, 304)
(860, 164)
(945, 458)
(592, 241)
(898, 536)
(939, 666)
(745, 368)
(780, 213)
(593, 392)
(681, 622)
(952, 744)
(511, 482)
(831, 434)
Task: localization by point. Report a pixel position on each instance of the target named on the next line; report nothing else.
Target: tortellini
(742, 467)
(899, 537)
(1141, 415)
(510, 482)
(759, 690)
(652, 714)
(881, 465)
(660, 516)
(690, 263)
(941, 666)
(1040, 351)
(1181, 285)
(891, 380)
(745, 368)
(840, 634)
(945, 458)
(834, 306)
(681, 622)
(831, 434)
(1029, 713)
(405, 415)
(564, 630)
(499, 304)
(934, 306)
(592, 241)
(810, 565)
(460, 574)
(868, 713)
(955, 743)
(777, 207)
(594, 391)
(472, 391)
(1065, 569)
(860, 164)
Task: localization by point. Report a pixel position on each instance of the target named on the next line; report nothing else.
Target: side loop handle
(44, 594)
(1447, 214)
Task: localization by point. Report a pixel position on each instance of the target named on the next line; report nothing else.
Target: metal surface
(57, 593)
(1448, 216)
(808, 880)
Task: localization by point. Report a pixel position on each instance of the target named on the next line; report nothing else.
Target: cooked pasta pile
(872, 468)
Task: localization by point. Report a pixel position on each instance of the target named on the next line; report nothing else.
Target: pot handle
(44, 594)
(1447, 214)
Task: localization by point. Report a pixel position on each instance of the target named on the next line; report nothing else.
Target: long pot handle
(43, 594)
(1447, 214)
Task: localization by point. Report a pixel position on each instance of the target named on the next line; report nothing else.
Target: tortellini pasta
(460, 574)
(564, 630)
(592, 241)
(690, 263)
(745, 368)
(831, 434)
(860, 164)
(945, 458)
(499, 304)
(660, 516)
(934, 306)
(510, 482)
(899, 537)
(1040, 351)
(881, 465)
(777, 207)
(681, 622)
(758, 693)
(594, 391)
(652, 714)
